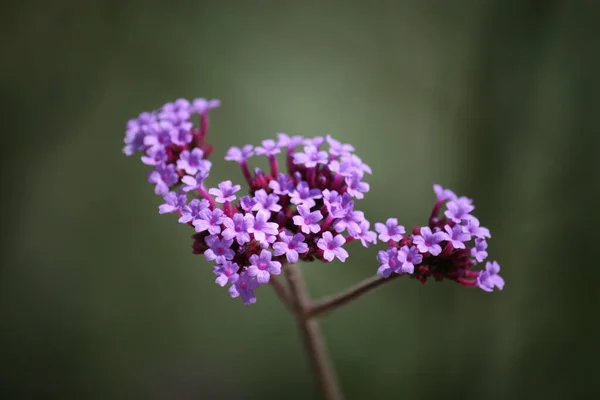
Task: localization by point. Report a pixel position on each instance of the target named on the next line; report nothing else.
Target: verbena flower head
(449, 247)
(301, 209)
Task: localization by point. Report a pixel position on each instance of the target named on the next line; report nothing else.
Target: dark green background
(100, 296)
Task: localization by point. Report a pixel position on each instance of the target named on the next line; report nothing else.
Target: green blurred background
(100, 296)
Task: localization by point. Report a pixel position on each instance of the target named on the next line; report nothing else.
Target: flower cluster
(304, 211)
(449, 247)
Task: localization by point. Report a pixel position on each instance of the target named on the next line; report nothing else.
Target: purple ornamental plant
(300, 210)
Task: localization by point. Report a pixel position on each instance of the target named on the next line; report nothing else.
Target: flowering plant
(306, 212)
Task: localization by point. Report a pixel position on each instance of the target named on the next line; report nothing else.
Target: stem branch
(311, 335)
(332, 302)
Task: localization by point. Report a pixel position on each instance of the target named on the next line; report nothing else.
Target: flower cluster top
(305, 211)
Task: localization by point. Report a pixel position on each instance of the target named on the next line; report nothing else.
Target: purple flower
(316, 141)
(456, 236)
(443, 194)
(244, 288)
(192, 162)
(350, 221)
(289, 142)
(194, 182)
(155, 156)
(260, 227)
(202, 106)
(348, 164)
(290, 246)
(181, 134)
(356, 188)
(332, 247)
(366, 236)
(283, 185)
(269, 148)
(209, 220)
(192, 210)
(390, 231)
(239, 155)
(262, 267)
(311, 157)
(177, 111)
(428, 241)
(409, 257)
(305, 195)
(136, 131)
(489, 277)
(478, 252)
(474, 229)
(225, 192)
(219, 249)
(158, 134)
(267, 202)
(173, 202)
(459, 209)
(247, 203)
(226, 272)
(164, 176)
(307, 221)
(237, 227)
(388, 262)
(336, 148)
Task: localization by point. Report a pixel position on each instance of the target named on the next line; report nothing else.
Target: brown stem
(282, 292)
(312, 336)
(341, 298)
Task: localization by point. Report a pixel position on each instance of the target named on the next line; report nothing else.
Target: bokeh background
(100, 296)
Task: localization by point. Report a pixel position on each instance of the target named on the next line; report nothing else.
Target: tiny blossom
(262, 267)
(260, 226)
(219, 249)
(202, 106)
(181, 135)
(307, 220)
(456, 236)
(350, 221)
(173, 202)
(266, 202)
(336, 148)
(334, 203)
(194, 182)
(244, 287)
(192, 162)
(390, 231)
(443, 194)
(159, 134)
(209, 220)
(316, 141)
(428, 241)
(237, 227)
(311, 157)
(459, 209)
(305, 195)
(226, 272)
(225, 192)
(239, 155)
(192, 211)
(269, 148)
(356, 188)
(164, 176)
(287, 141)
(388, 261)
(409, 257)
(290, 246)
(155, 156)
(332, 246)
(474, 229)
(366, 236)
(478, 252)
(247, 203)
(489, 278)
(177, 111)
(282, 185)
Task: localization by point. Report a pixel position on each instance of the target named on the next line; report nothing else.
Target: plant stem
(312, 336)
(282, 292)
(332, 302)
